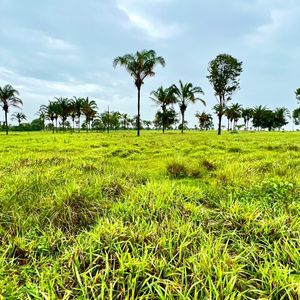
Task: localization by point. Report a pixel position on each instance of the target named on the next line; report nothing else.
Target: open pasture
(173, 216)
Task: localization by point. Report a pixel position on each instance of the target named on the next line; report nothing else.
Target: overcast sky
(53, 48)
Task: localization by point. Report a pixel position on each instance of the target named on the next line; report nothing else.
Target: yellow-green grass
(173, 216)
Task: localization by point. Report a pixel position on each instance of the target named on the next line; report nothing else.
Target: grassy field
(192, 216)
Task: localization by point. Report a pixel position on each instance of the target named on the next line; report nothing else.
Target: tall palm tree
(163, 98)
(8, 98)
(19, 117)
(139, 65)
(185, 94)
(89, 109)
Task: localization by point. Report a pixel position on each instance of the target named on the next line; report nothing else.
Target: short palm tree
(64, 105)
(19, 117)
(163, 98)
(139, 65)
(185, 94)
(247, 114)
(89, 109)
(77, 105)
(8, 98)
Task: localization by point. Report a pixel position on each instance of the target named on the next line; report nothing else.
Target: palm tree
(64, 105)
(296, 116)
(247, 114)
(89, 109)
(163, 98)
(185, 94)
(205, 120)
(236, 111)
(139, 65)
(19, 117)
(125, 120)
(8, 98)
(77, 104)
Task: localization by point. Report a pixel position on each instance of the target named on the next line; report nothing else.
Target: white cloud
(154, 29)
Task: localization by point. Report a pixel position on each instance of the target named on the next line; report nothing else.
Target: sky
(54, 48)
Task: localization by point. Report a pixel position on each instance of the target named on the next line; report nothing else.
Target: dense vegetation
(87, 216)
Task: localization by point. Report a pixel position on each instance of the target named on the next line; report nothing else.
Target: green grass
(192, 216)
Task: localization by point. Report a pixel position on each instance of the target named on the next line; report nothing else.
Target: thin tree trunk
(219, 125)
(182, 121)
(53, 126)
(6, 124)
(139, 108)
(164, 117)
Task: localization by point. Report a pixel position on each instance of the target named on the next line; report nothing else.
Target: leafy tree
(8, 98)
(19, 116)
(185, 94)
(205, 120)
(37, 124)
(139, 65)
(163, 98)
(224, 72)
(165, 119)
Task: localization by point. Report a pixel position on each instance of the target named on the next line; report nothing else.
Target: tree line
(223, 74)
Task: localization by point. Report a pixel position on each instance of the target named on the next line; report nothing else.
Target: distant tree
(37, 124)
(89, 110)
(163, 98)
(260, 113)
(235, 114)
(64, 109)
(281, 114)
(297, 93)
(77, 106)
(8, 98)
(224, 72)
(205, 120)
(125, 120)
(139, 65)
(296, 116)
(166, 119)
(19, 117)
(185, 94)
(247, 114)
(147, 124)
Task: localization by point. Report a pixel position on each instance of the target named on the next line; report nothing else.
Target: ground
(173, 216)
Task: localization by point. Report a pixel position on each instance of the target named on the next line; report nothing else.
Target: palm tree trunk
(228, 127)
(139, 108)
(219, 125)
(182, 121)
(6, 124)
(164, 119)
(52, 126)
